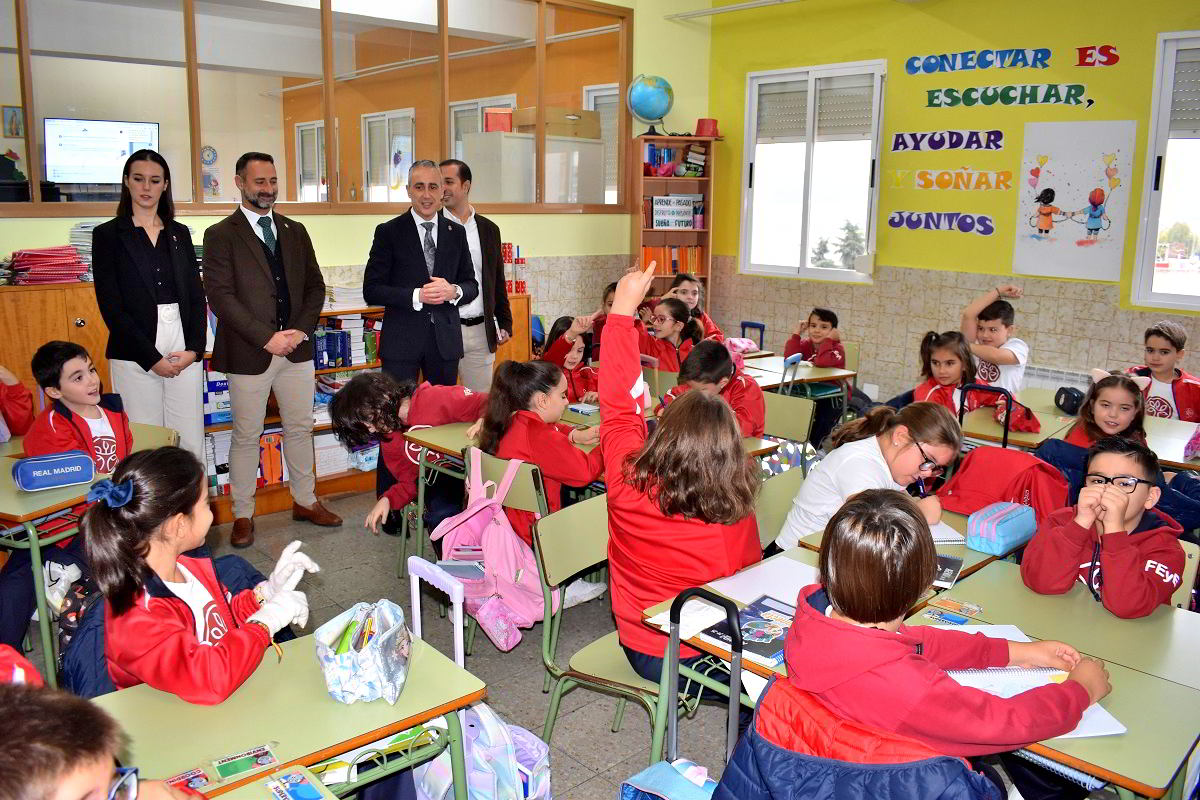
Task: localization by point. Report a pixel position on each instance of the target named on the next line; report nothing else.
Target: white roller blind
(1185, 96)
(782, 111)
(377, 152)
(466, 120)
(308, 156)
(844, 106)
(608, 106)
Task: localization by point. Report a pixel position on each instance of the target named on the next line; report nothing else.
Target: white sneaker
(582, 591)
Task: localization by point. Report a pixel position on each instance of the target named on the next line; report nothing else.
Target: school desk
(260, 790)
(1167, 437)
(973, 560)
(980, 424)
(19, 510)
(1160, 716)
(1165, 644)
(758, 354)
(286, 703)
(12, 447)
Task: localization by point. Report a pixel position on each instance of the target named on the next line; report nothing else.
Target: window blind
(1185, 96)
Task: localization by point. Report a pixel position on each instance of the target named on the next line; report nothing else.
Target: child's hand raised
(1088, 508)
(1010, 290)
(801, 328)
(632, 288)
(1056, 655)
(580, 325)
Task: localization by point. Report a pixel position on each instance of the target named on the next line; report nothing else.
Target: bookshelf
(693, 245)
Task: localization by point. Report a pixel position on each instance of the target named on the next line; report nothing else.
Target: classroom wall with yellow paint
(819, 32)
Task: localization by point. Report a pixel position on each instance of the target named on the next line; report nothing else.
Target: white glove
(288, 607)
(290, 567)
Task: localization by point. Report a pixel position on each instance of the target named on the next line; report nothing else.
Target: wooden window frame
(37, 208)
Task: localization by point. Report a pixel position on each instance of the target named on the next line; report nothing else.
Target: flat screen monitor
(93, 150)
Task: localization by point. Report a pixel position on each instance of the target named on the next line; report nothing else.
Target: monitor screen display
(92, 150)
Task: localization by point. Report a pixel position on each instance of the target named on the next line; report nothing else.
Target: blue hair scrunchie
(114, 495)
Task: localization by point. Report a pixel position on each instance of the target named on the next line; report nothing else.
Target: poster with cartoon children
(1072, 206)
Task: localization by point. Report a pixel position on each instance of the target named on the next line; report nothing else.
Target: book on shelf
(656, 155)
(672, 260)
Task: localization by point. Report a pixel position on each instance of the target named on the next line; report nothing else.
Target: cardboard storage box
(560, 121)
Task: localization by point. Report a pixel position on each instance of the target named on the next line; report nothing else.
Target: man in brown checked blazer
(266, 290)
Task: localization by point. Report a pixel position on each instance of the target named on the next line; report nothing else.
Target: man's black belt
(473, 321)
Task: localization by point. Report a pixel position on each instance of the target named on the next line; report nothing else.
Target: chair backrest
(659, 381)
(527, 493)
(774, 502)
(572, 539)
(1182, 597)
(852, 356)
(789, 417)
(756, 326)
(419, 569)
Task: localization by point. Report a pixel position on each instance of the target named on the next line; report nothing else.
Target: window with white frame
(466, 116)
(1167, 270)
(387, 148)
(605, 100)
(809, 170)
(311, 183)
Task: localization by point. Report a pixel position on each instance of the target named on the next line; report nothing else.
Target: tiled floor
(588, 760)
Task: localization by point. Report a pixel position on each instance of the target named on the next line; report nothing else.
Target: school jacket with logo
(154, 642)
(898, 682)
(582, 379)
(57, 430)
(1133, 572)
(429, 407)
(829, 353)
(743, 395)
(1185, 388)
(651, 557)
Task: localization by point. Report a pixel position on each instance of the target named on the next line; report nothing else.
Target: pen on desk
(921, 486)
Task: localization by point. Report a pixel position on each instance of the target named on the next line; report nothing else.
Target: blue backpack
(85, 669)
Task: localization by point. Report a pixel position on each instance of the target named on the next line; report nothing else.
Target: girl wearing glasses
(672, 334)
(886, 449)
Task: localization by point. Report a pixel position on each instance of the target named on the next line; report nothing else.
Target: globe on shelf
(649, 98)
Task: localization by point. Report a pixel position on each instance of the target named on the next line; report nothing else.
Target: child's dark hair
(48, 735)
(609, 291)
(514, 384)
(877, 556)
(1087, 409)
(367, 408)
(998, 310)
(925, 422)
(677, 310)
(687, 277)
(166, 481)
(825, 315)
(49, 359)
(1045, 196)
(1173, 332)
(693, 465)
(709, 362)
(953, 341)
(560, 326)
(1142, 455)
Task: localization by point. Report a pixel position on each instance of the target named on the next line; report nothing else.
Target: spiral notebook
(1011, 681)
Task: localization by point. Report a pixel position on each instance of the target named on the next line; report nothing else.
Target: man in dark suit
(420, 269)
(486, 321)
(267, 292)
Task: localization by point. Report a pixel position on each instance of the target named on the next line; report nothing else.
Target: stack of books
(48, 265)
(216, 449)
(330, 456)
(674, 260)
(217, 406)
(346, 342)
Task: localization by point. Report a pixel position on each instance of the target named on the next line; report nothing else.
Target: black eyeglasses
(1126, 483)
(928, 465)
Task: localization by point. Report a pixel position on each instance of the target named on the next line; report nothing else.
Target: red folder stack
(48, 265)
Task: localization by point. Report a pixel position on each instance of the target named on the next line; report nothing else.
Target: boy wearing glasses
(1113, 540)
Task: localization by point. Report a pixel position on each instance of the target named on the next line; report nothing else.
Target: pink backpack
(509, 595)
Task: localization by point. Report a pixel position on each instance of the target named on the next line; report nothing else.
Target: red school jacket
(743, 395)
(582, 379)
(1185, 388)
(429, 407)
(711, 331)
(57, 430)
(669, 356)
(651, 557)
(933, 392)
(16, 405)
(530, 439)
(828, 354)
(1134, 573)
(898, 682)
(155, 642)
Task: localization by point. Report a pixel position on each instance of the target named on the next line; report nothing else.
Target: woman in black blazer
(149, 292)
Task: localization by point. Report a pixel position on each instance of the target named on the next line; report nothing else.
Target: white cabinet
(502, 168)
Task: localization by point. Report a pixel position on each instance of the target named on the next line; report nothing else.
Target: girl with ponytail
(886, 449)
(168, 619)
(673, 332)
(525, 404)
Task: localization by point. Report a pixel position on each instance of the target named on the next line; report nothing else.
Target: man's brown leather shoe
(243, 532)
(317, 515)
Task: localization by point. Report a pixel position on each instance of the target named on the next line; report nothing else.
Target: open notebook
(944, 534)
(1011, 681)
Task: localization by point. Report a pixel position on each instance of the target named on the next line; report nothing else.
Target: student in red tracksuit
(524, 407)
(673, 332)
(16, 403)
(818, 340)
(947, 366)
(690, 290)
(168, 621)
(375, 406)
(710, 369)
(1171, 393)
(565, 347)
(1112, 540)
(680, 503)
(849, 647)
(601, 316)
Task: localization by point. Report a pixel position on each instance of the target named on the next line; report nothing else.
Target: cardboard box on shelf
(560, 121)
